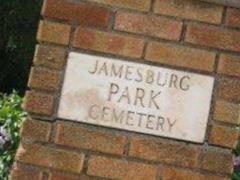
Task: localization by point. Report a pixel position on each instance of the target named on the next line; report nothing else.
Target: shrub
(236, 175)
(11, 116)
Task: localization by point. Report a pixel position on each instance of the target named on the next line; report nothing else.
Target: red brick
(228, 89)
(190, 9)
(54, 176)
(43, 78)
(217, 162)
(224, 136)
(215, 37)
(120, 169)
(61, 176)
(180, 174)
(49, 56)
(180, 56)
(39, 103)
(163, 151)
(233, 17)
(229, 65)
(226, 112)
(36, 130)
(85, 177)
(81, 13)
(50, 157)
(149, 25)
(142, 5)
(54, 32)
(19, 173)
(79, 137)
(108, 43)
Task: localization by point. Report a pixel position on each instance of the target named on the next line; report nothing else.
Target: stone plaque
(136, 97)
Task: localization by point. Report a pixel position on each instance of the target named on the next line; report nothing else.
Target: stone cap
(232, 3)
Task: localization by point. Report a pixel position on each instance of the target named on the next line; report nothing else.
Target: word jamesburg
(138, 74)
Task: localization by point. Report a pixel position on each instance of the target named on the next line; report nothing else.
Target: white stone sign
(136, 97)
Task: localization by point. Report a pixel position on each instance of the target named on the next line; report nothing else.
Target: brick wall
(187, 35)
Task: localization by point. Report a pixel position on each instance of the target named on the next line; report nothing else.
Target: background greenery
(18, 24)
(236, 175)
(11, 116)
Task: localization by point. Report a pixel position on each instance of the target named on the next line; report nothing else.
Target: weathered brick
(38, 103)
(35, 130)
(229, 65)
(180, 56)
(79, 137)
(180, 174)
(228, 89)
(190, 9)
(149, 25)
(108, 43)
(81, 13)
(54, 32)
(217, 162)
(50, 157)
(226, 112)
(162, 151)
(85, 177)
(120, 169)
(49, 56)
(215, 37)
(142, 5)
(19, 173)
(61, 176)
(43, 78)
(223, 136)
(233, 17)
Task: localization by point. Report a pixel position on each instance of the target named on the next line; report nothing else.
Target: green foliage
(11, 116)
(18, 24)
(237, 150)
(236, 175)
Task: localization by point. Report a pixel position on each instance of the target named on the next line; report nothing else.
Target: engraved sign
(136, 97)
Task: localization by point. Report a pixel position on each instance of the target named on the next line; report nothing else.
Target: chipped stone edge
(231, 3)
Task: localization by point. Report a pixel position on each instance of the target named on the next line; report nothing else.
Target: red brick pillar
(189, 35)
